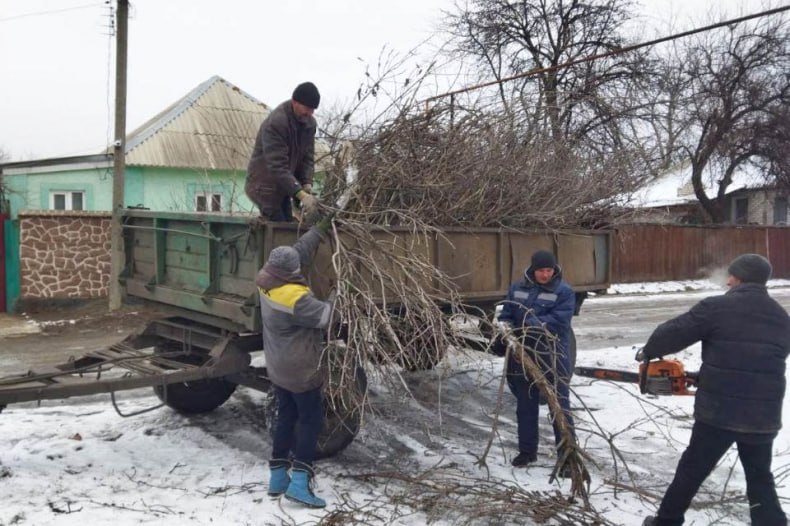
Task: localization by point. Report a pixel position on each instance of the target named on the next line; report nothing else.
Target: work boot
(523, 459)
(650, 521)
(299, 489)
(278, 477)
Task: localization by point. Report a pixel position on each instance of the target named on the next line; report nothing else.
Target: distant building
(190, 157)
(670, 198)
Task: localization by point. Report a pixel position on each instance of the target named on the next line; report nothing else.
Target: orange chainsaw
(660, 377)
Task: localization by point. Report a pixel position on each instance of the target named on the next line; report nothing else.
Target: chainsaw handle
(644, 361)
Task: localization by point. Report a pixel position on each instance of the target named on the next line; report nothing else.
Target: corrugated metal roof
(211, 127)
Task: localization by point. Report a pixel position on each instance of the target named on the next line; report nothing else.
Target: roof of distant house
(211, 127)
(674, 187)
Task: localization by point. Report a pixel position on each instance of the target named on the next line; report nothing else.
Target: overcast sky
(57, 62)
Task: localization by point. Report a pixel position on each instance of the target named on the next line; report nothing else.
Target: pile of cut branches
(399, 179)
(443, 493)
(474, 171)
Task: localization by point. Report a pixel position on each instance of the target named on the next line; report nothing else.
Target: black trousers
(296, 426)
(708, 444)
(528, 405)
(282, 214)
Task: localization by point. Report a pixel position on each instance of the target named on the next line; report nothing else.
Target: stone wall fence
(64, 254)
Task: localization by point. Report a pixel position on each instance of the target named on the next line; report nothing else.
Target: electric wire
(618, 51)
(49, 12)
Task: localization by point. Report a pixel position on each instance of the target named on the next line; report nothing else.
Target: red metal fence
(665, 252)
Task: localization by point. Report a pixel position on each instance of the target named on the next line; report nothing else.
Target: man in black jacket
(281, 165)
(745, 337)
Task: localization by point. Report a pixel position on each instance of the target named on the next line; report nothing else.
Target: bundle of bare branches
(398, 180)
(541, 368)
(477, 170)
(444, 493)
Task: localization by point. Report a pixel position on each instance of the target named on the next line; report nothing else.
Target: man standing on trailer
(281, 165)
(745, 337)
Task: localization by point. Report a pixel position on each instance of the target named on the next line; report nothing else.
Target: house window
(780, 211)
(742, 211)
(208, 202)
(66, 200)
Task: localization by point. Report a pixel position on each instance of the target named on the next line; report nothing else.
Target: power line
(612, 53)
(51, 11)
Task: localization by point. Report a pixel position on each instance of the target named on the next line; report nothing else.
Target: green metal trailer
(201, 269)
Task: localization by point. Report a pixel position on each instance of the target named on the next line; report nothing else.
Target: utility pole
(119, 154)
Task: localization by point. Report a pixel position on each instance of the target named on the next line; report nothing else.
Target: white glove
(310, 207)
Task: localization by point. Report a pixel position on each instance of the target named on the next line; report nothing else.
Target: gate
(3, 218)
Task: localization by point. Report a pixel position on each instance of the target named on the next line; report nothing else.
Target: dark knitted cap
(285, 259)
(751, 268)
(307, 94)
(543, 259)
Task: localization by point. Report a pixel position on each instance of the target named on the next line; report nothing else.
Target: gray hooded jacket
(293, 323)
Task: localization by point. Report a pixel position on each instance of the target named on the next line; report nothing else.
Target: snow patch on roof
(674, 187)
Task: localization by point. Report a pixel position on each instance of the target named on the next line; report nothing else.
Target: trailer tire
(200, 396)
(342, 418)
(197, 397)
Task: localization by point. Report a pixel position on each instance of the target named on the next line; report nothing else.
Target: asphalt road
(622, 321)
(627, 321)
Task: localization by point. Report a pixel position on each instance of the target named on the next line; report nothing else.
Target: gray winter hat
(751, 268)
(285, 259)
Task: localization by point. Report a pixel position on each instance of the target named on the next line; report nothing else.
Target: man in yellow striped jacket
(294, 321)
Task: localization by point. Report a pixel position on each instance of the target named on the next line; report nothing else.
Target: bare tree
(579, 105)
(658, 99)
(736, 90)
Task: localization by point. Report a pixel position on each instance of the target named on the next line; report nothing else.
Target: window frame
(781, 210)
(68, 199)
(210, 198)
(740, 219)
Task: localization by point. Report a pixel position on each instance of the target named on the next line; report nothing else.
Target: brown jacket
(282, 158)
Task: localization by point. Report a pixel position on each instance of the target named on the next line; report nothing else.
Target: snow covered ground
(77, 462)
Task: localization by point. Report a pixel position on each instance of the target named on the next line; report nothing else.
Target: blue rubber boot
(299, 490)
(278, 478)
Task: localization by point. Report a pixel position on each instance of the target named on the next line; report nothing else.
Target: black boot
(524, 459)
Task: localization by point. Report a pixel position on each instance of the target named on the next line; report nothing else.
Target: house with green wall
(192, 156)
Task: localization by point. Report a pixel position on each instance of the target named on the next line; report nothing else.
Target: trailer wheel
(342, 416)
(200, 396)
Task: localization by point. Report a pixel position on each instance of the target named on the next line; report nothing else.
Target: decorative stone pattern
(64, 254)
